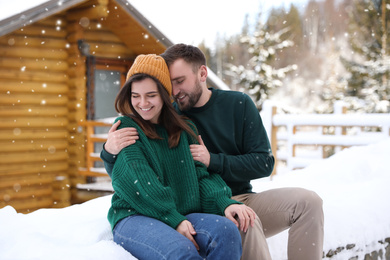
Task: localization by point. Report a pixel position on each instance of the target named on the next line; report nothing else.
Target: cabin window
(107, 85)
(105, 78)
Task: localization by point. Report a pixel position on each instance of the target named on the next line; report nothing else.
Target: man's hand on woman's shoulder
(119, 139)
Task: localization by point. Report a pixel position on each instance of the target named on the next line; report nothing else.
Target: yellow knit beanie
(152, 65)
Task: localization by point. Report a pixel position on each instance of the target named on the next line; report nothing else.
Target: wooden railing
(288, 132)
(296, 139)
(91, 155)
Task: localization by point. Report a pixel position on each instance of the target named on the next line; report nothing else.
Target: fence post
(291, 129)
(339, 108)
(274, 140)
(267, 114)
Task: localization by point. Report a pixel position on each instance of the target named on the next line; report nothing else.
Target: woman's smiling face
(146, 99)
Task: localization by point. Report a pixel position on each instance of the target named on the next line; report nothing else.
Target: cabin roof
(52, 7)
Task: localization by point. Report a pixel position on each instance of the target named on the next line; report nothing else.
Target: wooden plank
(78, 115)
(33, 64)
(78, 83)
(61, 182)
(34, 111)
(77, 71)
(34, 41)
(73, 151)
(10, 194)
(106, 36)
(94, 123)
(34, 122)
(34, 99)
(61, 195)
(41, 76)
(36, 156)
(85, 172)
(97, 139)
(76, 61)
(114, 56)
(51, 146)
(31, 52)
(96, 12)
(18, 86)
(33, 133)
(41, 30)
(26, 180)
(111, 48)
(57, 167)
(57, 20)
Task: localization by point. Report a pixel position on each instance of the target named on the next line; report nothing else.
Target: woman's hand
(200, 153)
(245, 215)
(186, 229)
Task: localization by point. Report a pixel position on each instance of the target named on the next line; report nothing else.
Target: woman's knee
(216, 235)
(226, 233)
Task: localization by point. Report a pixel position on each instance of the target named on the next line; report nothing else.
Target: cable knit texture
(151, 179)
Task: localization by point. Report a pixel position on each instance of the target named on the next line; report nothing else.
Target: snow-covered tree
(369, 81)
(258, 78)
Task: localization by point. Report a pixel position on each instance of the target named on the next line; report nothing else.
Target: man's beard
(193, 98)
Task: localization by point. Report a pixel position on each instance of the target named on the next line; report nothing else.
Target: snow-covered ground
(354, 185)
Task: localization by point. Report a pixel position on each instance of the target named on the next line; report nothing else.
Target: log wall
(43, 88)
(34, 136)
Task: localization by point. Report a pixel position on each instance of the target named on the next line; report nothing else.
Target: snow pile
(76, 232)
(353, 185)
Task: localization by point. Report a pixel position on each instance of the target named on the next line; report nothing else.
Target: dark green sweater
(234, 134)
(151, 179)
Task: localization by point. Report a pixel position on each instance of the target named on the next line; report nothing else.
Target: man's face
(186, 88)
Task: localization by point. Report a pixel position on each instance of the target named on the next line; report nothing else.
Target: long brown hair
(169, 119)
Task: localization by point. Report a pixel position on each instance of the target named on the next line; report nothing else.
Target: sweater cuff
(215, 163)
(106, 156)
(173, 219)
(225, 202)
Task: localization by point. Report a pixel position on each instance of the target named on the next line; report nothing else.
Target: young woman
(166, 205)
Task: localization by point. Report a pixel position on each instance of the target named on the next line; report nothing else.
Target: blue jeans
(149, 238)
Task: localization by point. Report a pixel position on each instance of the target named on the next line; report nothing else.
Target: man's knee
(310, 202)
(314, 200)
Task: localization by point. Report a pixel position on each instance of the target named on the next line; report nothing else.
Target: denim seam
(138, 243)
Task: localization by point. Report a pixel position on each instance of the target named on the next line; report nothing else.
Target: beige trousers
(298, 209)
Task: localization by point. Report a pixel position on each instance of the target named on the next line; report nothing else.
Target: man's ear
(203, 73)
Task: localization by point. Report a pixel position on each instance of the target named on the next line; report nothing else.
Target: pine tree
(369, 75)
(259, 78)
(280, 19)
(230, 51)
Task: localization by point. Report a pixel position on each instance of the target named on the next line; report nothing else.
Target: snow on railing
(299, 139)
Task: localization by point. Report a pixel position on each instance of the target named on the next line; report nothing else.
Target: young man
(234, 144)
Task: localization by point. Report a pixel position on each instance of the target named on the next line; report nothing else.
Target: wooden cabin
(61, 65)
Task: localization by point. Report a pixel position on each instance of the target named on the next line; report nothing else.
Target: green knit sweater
(151, 179)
